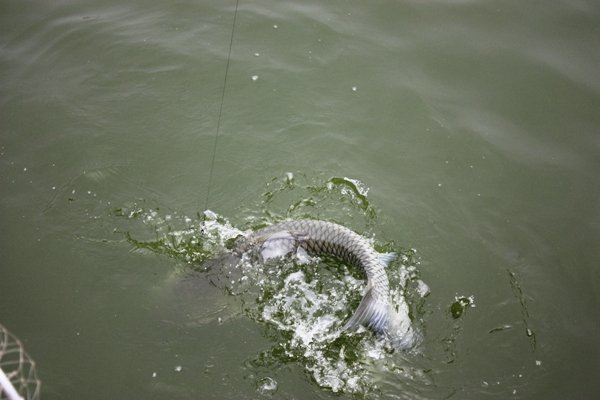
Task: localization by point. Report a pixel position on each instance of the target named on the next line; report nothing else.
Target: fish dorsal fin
(387, 258)
(371, 313)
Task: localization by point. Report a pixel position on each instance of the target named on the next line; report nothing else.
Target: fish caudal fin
(371, 313)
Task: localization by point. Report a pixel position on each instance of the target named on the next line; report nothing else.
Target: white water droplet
(178, 368)
(529, 332)
(354, 88)
(255, 77)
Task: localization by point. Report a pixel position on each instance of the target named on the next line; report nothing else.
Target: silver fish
(313, 237)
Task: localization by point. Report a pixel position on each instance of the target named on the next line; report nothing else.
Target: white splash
(218, 227)
(360, 187)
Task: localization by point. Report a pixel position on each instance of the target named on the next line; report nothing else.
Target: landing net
(18, 377)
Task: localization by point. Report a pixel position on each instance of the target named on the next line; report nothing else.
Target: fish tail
(371, 312)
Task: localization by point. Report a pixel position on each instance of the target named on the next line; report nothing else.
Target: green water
(474, 126)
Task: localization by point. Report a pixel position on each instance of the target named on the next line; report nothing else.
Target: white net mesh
(18, 377)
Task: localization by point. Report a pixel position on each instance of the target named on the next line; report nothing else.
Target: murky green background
(475, 125)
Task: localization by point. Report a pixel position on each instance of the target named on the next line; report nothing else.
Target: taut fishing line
(214, 152)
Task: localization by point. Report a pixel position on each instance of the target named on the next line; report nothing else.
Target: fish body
(319, 238)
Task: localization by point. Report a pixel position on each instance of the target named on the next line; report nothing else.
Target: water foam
(307, 304)
(304, 303)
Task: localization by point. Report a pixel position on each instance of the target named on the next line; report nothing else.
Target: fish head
(400, 331)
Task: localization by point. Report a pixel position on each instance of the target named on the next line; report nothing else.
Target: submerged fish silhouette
(375, 310)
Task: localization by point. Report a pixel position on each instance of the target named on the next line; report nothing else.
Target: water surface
(473, 125)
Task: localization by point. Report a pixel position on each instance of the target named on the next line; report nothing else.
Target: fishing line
(214, 152)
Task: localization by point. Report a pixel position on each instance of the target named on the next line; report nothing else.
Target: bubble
(254, 78)
(266, 385)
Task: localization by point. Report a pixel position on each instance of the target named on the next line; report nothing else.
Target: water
(473, 125)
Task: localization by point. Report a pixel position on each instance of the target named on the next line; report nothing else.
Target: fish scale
(320, 238)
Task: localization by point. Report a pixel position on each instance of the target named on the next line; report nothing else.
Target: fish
(376, 310)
